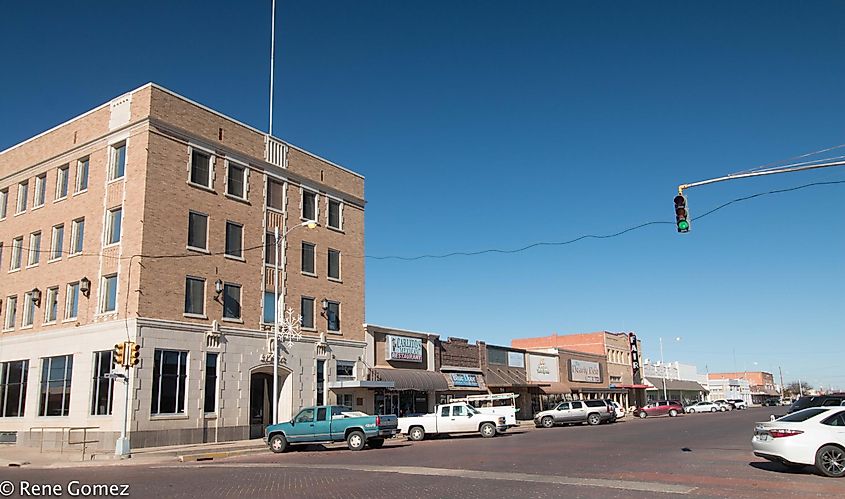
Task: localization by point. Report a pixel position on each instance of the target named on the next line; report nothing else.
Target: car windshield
(804, 415)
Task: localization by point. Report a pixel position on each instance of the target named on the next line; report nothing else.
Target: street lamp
(665, 396)
(280, 298)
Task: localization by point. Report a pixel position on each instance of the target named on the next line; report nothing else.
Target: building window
(309, 205)
(40, 191)
(307, 258)
(102, 388)
(275, 195)
(231, 301)
(307, 308)
(72, 301)
(61, 182)
(117, 162)
(28, 309)
(55, 385)
(269, 248)
(195, 296)
(108, 293)
(234, 239)
(82, 179)
(113, 225)
(23, 191)
(4, 202)
(335, 214)
(321, 383)
(236, 180)
(334, 264)
(11, 312)
(345, 399)
(77, 236)
(200, 168)
(17, 252)
(34, 249)
(51, 309)
(169, 376)
(269, 316)
(13, 377)
(345, 370)
(333, 316)
(57, 242)
(197, 231)
(210, 402)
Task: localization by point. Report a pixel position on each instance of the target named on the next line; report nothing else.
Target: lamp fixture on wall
(85, 286)
(36, 296)
(218, 287)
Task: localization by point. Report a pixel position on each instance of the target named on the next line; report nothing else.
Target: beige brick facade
(151, 260)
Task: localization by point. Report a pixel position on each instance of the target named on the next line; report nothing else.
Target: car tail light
(784, 433)
(378, 421)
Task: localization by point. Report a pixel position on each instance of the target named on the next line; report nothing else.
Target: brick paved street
(705, 455)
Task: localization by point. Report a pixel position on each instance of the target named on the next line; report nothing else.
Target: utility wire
(800, 156)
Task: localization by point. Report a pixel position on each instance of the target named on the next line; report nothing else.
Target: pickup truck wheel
(375, 443)
(594, 419)
(488, 430)
(356, 440)
(278, 443)
(416, 433)
(547, 422)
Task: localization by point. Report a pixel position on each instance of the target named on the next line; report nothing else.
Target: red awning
(642, 387)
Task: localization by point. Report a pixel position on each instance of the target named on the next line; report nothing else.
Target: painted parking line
(474, 474)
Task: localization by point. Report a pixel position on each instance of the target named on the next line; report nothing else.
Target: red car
(659, 408)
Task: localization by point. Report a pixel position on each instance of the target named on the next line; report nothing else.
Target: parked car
(772, 402)
(702, 406)
(831, 400)
(617, 408)
(724, 405)
(738, 404)
(331, 423)
(452, 418)
(814, 437)
(576, 411)
(660, 408)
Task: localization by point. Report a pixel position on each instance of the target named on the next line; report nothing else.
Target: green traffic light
(683, 225)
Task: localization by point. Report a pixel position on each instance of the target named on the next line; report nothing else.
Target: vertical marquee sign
(635, 358)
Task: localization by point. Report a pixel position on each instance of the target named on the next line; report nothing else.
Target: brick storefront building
(151, 219)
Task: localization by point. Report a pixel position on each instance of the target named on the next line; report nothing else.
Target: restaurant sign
(585, 371)
(404, 349)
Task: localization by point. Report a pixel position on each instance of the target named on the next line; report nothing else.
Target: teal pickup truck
(331, 423)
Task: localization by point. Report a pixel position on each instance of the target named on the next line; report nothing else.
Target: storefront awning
(555, 388)
(412, 379)
(677, 385)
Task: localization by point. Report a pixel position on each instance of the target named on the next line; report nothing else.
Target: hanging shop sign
(585, 371)
(635, 356)
(516, 359)
(404, 349)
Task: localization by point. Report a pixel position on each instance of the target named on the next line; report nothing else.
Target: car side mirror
(469, 415)
(292, 422)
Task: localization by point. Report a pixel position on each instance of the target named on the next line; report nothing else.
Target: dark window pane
(197, 230)
(234, 236)
(200, 168)
(269, 307)
(231, 301)
(333, 316)
(334, 264)
(307, 312)
(210, 403)
(321, 393)
(102, 387)
(194, 296)
(235, 183)
(334, 213)
(13, 377)
(308, 258)
(119, 167)
(309, 205)
(275, 195)
(55, 385)
(269, 248)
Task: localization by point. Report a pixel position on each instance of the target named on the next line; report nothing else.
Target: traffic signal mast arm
(759, 173)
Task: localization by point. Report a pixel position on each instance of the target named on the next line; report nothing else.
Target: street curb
(210, 456)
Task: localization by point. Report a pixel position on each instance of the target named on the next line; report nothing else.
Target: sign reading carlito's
(585, 371)
(404, 349)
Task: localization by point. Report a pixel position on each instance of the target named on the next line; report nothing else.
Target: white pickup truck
(452, 418)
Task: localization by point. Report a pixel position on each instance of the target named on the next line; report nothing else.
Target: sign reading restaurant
(404, 349)
(586, 371)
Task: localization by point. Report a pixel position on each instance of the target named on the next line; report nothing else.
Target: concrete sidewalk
(18, 456)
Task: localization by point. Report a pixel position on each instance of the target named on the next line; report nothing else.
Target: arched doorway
(261, 398)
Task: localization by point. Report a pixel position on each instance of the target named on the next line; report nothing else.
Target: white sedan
(702, 407)
(810, 437)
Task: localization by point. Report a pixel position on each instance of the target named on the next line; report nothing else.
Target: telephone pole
(780, 371)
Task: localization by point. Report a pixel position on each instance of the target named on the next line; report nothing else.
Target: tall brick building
(151, 219)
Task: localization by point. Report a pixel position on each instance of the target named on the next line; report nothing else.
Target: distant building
(682, 382)
(762, 384)
(729, 388)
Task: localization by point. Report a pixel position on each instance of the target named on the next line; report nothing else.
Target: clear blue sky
(498, 124)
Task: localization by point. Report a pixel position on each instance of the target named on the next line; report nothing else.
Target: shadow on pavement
(783, 469)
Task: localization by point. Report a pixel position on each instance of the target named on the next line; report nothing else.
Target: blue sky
(499, 124)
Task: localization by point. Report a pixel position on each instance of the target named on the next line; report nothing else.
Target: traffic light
(134, 354)
(682, 217)
(119, 357)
